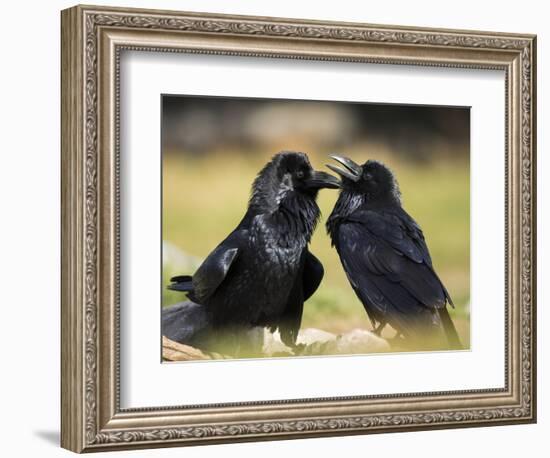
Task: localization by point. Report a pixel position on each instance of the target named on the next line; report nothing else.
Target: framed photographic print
(278, 228)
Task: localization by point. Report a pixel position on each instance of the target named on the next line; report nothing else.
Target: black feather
(181, 283)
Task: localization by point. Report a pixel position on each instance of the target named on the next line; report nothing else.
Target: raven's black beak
(351, 170)
(319, 180)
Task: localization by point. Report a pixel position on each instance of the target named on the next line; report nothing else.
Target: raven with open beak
(386, 258)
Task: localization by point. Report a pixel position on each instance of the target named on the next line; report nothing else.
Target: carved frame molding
(92, 40)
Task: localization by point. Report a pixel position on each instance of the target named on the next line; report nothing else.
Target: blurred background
(213, 148)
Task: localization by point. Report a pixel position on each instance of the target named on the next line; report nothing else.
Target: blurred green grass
(204, 198)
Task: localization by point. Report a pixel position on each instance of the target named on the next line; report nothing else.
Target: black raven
(262, 273)
(386, 259)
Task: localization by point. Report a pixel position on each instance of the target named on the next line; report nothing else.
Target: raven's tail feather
(185, 322)
(450, 330)
(181, 283)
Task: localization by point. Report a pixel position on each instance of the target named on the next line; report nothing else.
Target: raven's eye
(368, 176)
(300, 174)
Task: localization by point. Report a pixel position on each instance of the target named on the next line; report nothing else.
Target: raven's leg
(298, 348)
(247, 341)
(397, 341)
(378, 330)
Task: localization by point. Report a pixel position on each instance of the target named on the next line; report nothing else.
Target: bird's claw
(298, 349)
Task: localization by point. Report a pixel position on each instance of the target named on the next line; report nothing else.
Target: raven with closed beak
(262, 273)
(386, 259)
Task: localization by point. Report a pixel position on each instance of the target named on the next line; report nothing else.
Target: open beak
(320, 180)
(350, 169)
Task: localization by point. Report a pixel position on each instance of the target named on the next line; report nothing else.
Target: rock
(358, 341)
(273, 346)
(315, 342)
(310, 336)
(354, 342)
(174, 351)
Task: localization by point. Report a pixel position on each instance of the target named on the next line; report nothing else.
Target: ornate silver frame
(92, 40)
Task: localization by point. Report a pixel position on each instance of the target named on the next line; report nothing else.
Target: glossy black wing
(388, 264)
(212, 272)
(397, 230)
(304, 286)
(312, 275)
